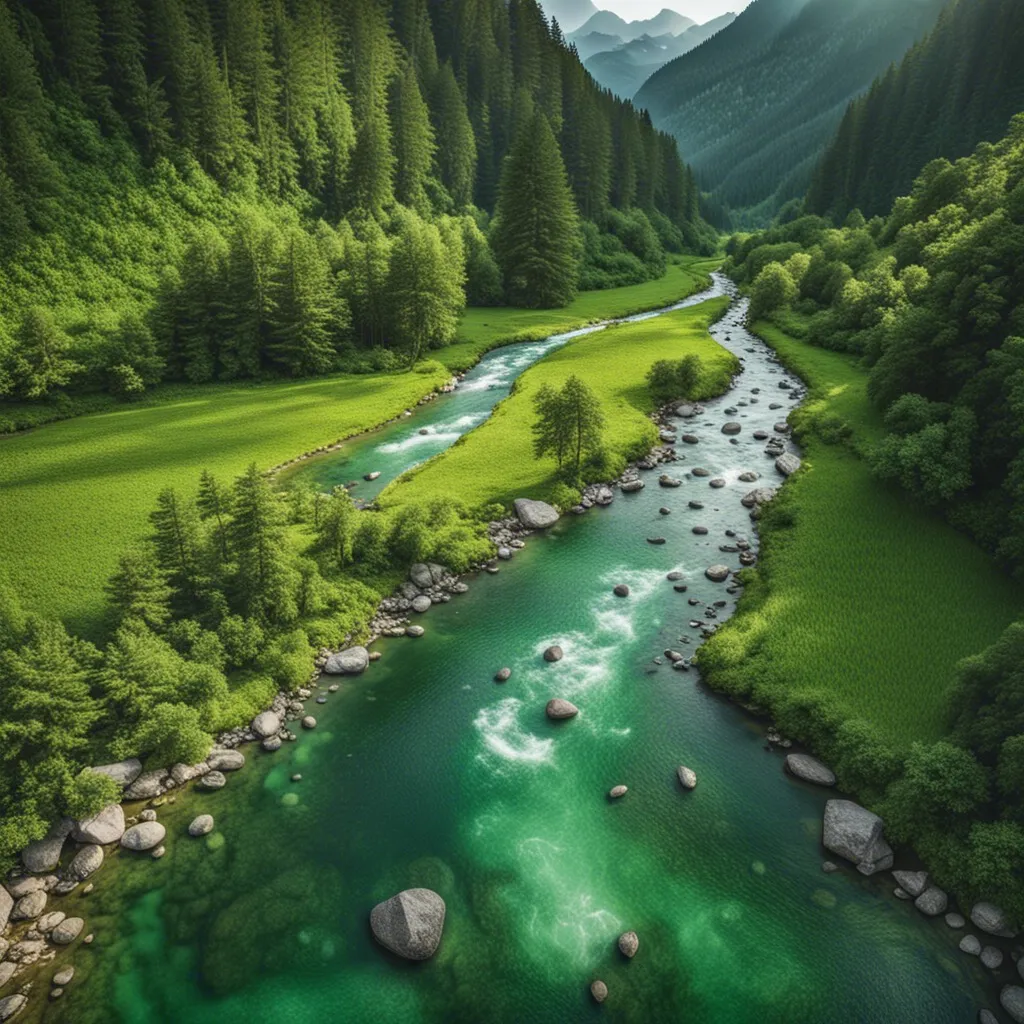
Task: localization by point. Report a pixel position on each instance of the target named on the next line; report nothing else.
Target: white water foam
(505, 738)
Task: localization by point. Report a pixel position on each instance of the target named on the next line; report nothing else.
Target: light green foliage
(569, 425)
(90, 792)
(672, 379)
(773, 289)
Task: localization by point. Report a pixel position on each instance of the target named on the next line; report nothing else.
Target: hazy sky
(699, 10)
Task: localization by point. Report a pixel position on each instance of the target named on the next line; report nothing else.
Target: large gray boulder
(43, 854)
(10, 1005)
(1012, 1001)
(410, 923)
(992, 920)
(146, 786)
(124, 773)
(932, 902)
(914, 882)
(535, 515)
(67, 931)
(810, 769)
(201, 826)
(6, 906)
(558, 709)
(349, 662)
(105, 827)
(421, 575)
(30, 906)
(144, 836)
(758, 496)
(268, 723)
(787, 463)
(853, 832)
(86, 861)
(225, 760)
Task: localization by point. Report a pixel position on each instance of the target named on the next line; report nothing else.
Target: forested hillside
(956, 88)
(201, 190)
(753, 108)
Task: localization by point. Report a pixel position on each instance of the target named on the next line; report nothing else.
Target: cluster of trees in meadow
(201, 191)
(225, 602)
(931, 298)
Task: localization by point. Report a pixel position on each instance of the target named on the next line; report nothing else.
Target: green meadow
(861, 597)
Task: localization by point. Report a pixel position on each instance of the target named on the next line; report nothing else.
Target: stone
(932, 902)
(554, 653)
(810, 769)
(782, 427)
(42, 855)
(225, 760)
(106, 826)
(915, 882)
(759, 496)
(146, 786)
(621, 590)
(955, 920)
(987, 1017)
(124, 773)
(56, 993)
(558, 709)
(29, 907)
(787, 464)
(7, 971)
(598, 991)
(212, 780)
(370, 477)
(6, 906)
(410, 923)
(655, 540)
(618, 791)
(271, 744)
(856, 833)
(421, 576)
(664, 511)
(157, 854)
(631, 486)
(503, 675)
(268, 723)
(201, 826)
(182, 773)
(309, 722)
(50, 921)
(732, 428)
(901, 894)
(10, 1005)
(992, 920)
(718, 483)
(629, 943)
(63, 976)
(992, 958)
(503, 553)
(717, 573)
(86, 861)
(19, 887)
(687, 777)
(535, 515)
(148, 815)
(669, 481)
(67, 931)
(829, 867)
(422, 603)
(971, 945)
(1011, 999)
(686, 411)
(414, 631)
(351, 661)
(690, 439)
(144, 836)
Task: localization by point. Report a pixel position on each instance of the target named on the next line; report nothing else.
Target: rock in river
(421, 604)
(631, 486)
(915, 882)
(309, 722)
(717, 573)
(349, 662)
(553, 653)
(621, 590)
(618, 791)
(558, 709)
(212, 780)
(1011, 998)
(855, 833)
(992, 958)
(67, 931)
(732, 428)
(810, 769)
(42, 855)
(503, 675)
(535, 515)
(992, 920)
(629, 943)
(86, 861)
(787, 464)
(971, 945)
(266, 724)
(225, 760)
(598, 991)
(201, 826)
(144, 836)
(410, 924)
(687, 777)
(932, 902)
(10, 1005)
(107, 826)
(29, 907)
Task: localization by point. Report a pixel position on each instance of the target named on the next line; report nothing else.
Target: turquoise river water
(425, 772)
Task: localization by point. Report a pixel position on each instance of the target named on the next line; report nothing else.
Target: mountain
(956, 88)
(569, 14)
(754, 107)
(595, 42)
(624, 67)
(609, 23)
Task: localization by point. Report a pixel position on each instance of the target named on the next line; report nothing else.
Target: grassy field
(866, 598)
(75, 494)
(495, 462)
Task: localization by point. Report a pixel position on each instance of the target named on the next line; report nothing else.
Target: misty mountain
(570, 14)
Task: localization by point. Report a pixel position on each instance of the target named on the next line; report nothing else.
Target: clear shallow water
(426, 772)
(399, 446)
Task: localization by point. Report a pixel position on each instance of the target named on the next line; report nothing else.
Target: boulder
(810, 769)
(225, 760)
(421, 576)
(107, 826)
(992, 958)
(268, 723)
(629, 943)
(64, 976)
(932, 902)
(621, 590)
(759, 496)
(853, 832)
(146, 786)
(182, 773)
(147, 815)
(122, 772)
(598, 991)
(352, 660)
(558, 709)
(42, 855)
(554, 653)
(992, 920)
(687, 777)
(987, 1017)
(422, 603)
(414, 631)
(87, 860)
(503, 675)
(410, 923)
(144, 836)
(370, 477)
(201, 826)
(7, 971)
(1011, 999)
(686, 411)
(665, 480)
(19, 887)
(787, 464)
(10, 1005)
(50, 921)
(955, 920)
(309, 722)
(915, 882)
(212, 780)
(631, 486)
(971, 945)
(618, 791)
(67, 931)
(29, 907)
(271, 744)
(6, 906)
(732, 428)
(717, 573)
(535, 515)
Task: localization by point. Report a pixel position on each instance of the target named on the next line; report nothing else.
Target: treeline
(954, 89)
(197, 190)
(224, 603)
(932, 298)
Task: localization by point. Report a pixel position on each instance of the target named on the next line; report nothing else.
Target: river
(425, 772)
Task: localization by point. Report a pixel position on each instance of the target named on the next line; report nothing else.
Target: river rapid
(425, 772)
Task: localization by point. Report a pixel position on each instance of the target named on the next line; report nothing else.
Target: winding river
(424, 772)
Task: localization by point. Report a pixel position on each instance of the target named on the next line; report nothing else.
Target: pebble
(503, 675)
(621, 590)
(201, 826)
(309, 722)
(599, 991)
(618, 791)
(629, 943)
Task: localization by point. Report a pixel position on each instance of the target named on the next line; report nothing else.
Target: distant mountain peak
(570, 14)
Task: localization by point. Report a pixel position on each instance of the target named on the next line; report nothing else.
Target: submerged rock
(598, 991)
(855, 833)
(558, 709)
(410, 923)
(810, 769)
(629, 943)
(201, 826)
(144, 836)
(535, 515)
(503, 675)
(621, 590)
(67, 931)
(915, 882)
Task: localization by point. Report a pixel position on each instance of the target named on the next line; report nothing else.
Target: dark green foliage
(670, 380)
(569, 425)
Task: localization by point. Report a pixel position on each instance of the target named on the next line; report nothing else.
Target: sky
(699, 10)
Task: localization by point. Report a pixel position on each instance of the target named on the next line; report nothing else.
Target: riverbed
(425, 772)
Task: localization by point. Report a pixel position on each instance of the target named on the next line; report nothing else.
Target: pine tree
(41, 363)
(456, 154)
(176, 544)
(335, 530)
(138, 591)
(213, 504)
(535, 236)
(413, 142)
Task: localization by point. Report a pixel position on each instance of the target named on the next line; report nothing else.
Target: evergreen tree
(335, 530)
(41, 363)
(214, 505)
(568, 426)
(138, 591)
(413, 142)
(535, 236)
(176, 544)
(456, 154)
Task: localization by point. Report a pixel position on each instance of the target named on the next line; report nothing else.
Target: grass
(861, 596)
(495, 462)
(75, 494)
